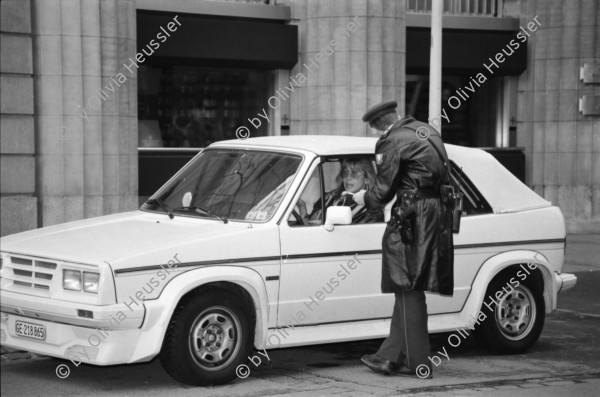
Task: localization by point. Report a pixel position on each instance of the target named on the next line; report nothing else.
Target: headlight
(72, 280)
(90, 282)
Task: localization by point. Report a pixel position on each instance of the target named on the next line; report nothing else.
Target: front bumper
(78, 344)
(118, 316)
(112, 336)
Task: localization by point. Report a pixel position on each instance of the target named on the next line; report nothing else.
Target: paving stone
(333, 390)
(531, 385)
(560, 382)
(535, 380)
(319, 380)
(356, 393)
(506, 387)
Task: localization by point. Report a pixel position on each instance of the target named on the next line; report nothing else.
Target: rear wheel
(517, 319)
(208, 337)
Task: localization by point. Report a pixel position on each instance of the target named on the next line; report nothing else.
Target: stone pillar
(367, 64)
(563, 146)
(86, 138)
(17, 146)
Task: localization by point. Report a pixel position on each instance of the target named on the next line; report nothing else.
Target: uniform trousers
(408, 342)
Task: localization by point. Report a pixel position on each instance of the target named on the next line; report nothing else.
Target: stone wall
(366, 65)
(17, 143)
(69, 150)
(562, 146)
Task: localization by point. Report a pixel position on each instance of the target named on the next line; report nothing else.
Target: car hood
(120, 238)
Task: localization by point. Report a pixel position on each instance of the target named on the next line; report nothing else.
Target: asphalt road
(564, 362)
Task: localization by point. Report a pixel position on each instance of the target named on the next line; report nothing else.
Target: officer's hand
(359, 197)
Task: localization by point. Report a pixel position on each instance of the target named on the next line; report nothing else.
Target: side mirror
(337, 215)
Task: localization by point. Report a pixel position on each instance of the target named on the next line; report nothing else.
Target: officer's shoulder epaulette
(400, 133)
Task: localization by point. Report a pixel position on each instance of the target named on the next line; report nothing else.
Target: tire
(208, 337)
(517, 320)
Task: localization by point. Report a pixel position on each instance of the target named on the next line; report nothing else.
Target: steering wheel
(298, 218)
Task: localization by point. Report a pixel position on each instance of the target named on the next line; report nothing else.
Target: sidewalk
(583, 253)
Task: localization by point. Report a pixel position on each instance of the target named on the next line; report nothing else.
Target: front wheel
(516, 321)
(207, 338)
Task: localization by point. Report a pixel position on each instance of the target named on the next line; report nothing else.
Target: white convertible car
(220, 261)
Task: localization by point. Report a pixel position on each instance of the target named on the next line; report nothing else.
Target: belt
(419, 194)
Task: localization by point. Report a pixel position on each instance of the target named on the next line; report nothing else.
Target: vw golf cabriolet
(235, 252)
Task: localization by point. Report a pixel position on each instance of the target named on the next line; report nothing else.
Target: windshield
(229, 184)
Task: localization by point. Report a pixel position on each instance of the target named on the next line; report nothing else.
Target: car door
(468, 254)
(329, 276)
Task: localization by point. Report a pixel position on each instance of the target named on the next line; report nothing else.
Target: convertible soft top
(503, 191)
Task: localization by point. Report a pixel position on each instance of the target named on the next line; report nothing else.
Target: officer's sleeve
(388, 158)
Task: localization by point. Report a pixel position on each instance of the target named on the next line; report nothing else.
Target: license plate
(33, 331)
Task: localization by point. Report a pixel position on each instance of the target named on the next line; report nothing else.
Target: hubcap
(215, 337)
(516, 313)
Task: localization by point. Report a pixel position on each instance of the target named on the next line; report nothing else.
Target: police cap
(379, 110)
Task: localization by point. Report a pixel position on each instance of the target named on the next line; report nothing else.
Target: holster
(402, 222)
(453, 200)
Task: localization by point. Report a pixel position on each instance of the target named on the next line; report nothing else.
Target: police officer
(417, 244)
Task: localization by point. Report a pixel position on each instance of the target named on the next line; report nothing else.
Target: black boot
(378, 364)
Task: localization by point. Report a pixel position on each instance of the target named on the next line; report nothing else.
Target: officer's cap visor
(379, 110)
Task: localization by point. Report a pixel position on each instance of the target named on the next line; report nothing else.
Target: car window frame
(320, 160)
(461, 179)
(281, 208)
(316, 165)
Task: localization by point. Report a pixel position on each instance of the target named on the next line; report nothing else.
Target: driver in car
(355, 176)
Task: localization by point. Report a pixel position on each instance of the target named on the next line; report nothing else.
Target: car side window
(341, 179)
(473, 202)
(304, 213)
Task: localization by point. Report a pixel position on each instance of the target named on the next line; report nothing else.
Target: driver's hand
(301, 205)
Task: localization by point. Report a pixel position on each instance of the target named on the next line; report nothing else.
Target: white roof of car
(323, 145)
(503, 191)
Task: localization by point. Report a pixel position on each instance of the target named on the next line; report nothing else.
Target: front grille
(45, 265)
(32, 274)
(43, 276)
(15, 260)
(22, 273)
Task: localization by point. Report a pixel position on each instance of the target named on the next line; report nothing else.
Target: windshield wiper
(191, 208)
(155, 201)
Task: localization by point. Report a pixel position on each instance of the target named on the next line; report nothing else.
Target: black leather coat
(406, 160)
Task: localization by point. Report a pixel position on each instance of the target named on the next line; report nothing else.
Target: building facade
(97, 94)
